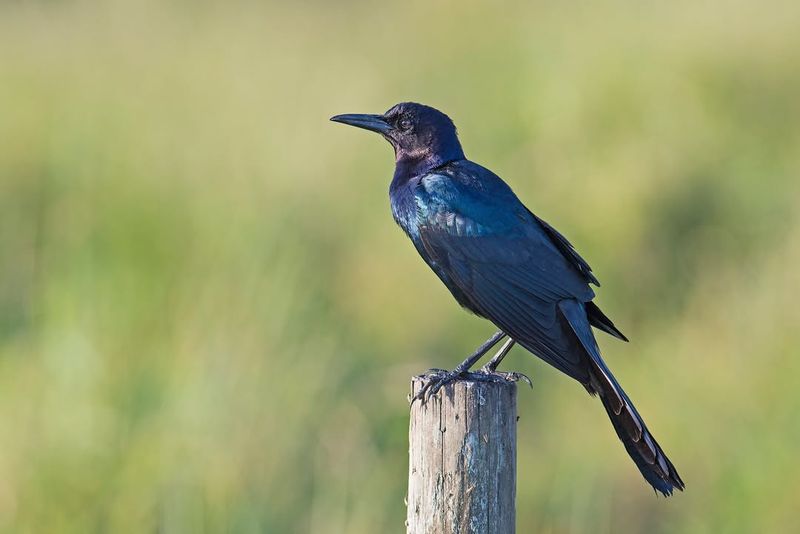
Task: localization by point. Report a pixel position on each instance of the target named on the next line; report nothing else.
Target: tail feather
(642, 447)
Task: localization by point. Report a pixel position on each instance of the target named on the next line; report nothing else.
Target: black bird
(503, 263)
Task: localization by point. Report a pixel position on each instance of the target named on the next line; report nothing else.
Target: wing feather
(515, 289)
(513, 267)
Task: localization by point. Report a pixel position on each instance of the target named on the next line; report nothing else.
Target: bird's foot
(435, 379)
(508, 376)
(432, 381)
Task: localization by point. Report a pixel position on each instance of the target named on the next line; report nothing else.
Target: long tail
(639, 442)
(642, 447)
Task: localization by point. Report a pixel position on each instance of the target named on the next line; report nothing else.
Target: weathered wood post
(463, 459)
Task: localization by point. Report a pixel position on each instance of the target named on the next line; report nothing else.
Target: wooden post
(463, 459)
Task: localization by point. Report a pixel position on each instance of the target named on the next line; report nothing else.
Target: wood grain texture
(462, 459)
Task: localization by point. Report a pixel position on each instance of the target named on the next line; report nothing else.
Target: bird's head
(422, 137)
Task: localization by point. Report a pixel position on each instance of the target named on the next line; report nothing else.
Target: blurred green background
(208, 319)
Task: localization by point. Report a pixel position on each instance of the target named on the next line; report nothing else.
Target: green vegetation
(208, 319)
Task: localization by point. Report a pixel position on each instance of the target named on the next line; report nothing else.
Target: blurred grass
(208, 319)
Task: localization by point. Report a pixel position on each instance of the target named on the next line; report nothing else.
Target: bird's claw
(516, 377)
(433, 381)
(509, 376)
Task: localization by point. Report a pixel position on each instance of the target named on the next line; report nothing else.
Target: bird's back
(463, 199)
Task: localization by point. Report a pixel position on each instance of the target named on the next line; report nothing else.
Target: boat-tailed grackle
(503, 263)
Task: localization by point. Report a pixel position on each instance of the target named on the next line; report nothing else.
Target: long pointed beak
(373, 123)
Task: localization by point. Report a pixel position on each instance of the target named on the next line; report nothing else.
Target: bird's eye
(405, 124)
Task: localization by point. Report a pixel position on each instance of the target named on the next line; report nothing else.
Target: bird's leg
(491, 366)
(436, 378)
(479, 352)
